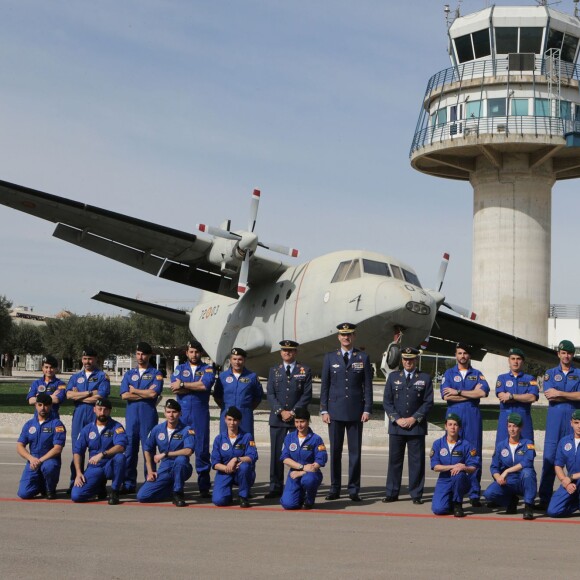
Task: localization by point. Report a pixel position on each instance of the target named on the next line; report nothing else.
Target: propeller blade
(442, 271)
(218, 232)
(460, 310)
(287, 251)
(254, 210)
(243, 279)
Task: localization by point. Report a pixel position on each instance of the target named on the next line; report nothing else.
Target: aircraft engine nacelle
(226, 255)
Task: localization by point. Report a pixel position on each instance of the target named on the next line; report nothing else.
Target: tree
(26, 339)
(5, 323)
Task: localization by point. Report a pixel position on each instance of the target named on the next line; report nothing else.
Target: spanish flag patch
(473, 452)
(191, 431)
(59, 429)
(119, 430)
(531, 446)
(252, 443)
(321, 448)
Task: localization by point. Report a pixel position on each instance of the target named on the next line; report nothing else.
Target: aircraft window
(506, 39)
(397, 272)
(411, 278)
(481, 43)
(531, 39)
(464, 48)
(347, 271)
(288, 294)
(277, 298)
(496, 107)
(378, 268)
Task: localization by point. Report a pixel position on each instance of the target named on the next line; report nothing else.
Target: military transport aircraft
(253, 302)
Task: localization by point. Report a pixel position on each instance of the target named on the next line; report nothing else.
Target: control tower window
(566, 43)
(441, 116)
(496, 107)
(473, 109)
(565, 110)
(347, 271)
(411, 278)
(377, 268)
(506, 39)
(520, 107)
(481, 43)
(464, 48)
(531, 39)
(542, 107)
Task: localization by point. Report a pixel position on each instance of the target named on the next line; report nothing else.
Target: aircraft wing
(449, 329)
(158, 250)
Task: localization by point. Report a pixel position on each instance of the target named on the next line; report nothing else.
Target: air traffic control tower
(506, 117)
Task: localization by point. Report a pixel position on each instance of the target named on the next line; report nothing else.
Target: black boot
(458, 510)
(528, 511)
(179, 499)
(114, 497)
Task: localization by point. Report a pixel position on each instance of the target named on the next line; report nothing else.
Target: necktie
(345, 357)
(409, 376)
(288, 372)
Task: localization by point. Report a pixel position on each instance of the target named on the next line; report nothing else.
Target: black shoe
(273, 494)
(51, 495)
(458, 510)
(492, 505)
(179, 499)
(307, 506)
(354, 497)
(127, 490)
(114, 498)
(332, 495)
(244, 503)
(205, 493)
(542, 506)
(512, 507)
(528, 511)
(475, 502)
(390, 499)
(69, 490)
(418, 501)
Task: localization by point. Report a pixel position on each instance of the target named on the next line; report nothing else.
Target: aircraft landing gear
(392, 356)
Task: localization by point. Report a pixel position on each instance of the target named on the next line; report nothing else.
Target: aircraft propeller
(247, 242)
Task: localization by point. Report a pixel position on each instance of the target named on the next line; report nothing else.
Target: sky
(173, 111)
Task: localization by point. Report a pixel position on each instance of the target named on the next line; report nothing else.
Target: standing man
(141, 388)
(407, 400)
(106, 441)
(561, 387)
(49, 384)
(238, 387)
(169, 468)
(83, 389)
(289, 388)
(462, 388)
(512, 469)
(346, 402)
(45, 436)
(191, 382)
(516, 392)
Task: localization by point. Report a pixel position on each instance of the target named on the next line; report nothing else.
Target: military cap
(172, 404)
(302, 413)
(89, 351)
(195, 344)
(104, 402)
(576, 414)
(289, 344)
(346, 328)
(239, 352)
(567, 345)
(464, 346)
(49, 360)
(516, 352)
(453, 417)
(410, 353)
(515, 418)
(234, 413)
(144, 347)
(44, 398)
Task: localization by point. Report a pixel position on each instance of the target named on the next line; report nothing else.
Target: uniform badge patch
(186, 373)
(321, 448)
(509, 383)
(229, 379)
(568, 446)
(444, 452)
(293, 447)
(119, 430)
(32, 430)
(158, 377)
(81, 380)
(498, 384)
(161, 436)
(558, 378)
(546, 377)
(335, 366)
(191, 431)
(481, 378)
(92, 435)
(473, 452)
(59, 429)
(41, 389)
(505, 453)
(531, 446)
(252, 443)
(225, 446)
(135, 378)
(457, 378)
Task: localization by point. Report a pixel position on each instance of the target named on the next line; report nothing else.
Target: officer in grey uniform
(289, 387)
(407, 400)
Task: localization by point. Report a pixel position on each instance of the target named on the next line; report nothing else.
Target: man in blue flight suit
(175, 443)
(512, 468)
(455, 459)
(191, 382)
(234, 457)
(566, 499)
(346, 403)
(238, 387)
(407, 400)
(516, 392)
(304, 453)
(289, 387)
(45, 437)
(106, 441)
(49, 384)
(141, 388)
(562, 389)
(83, 389)
(462, 388)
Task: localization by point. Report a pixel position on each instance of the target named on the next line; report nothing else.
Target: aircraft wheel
(393, 356)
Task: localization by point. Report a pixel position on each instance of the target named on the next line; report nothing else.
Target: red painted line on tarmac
(539, 519)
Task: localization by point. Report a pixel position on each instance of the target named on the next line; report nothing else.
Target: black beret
(144, 347)
(302, 413)
(50, 360)
(195, 344)
(239, 352)
(234, 413)
(89, 351)
(104, 402)
(464, 346)
(172, 404)
(44, 398)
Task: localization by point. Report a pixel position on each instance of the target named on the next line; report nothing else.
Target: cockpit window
(411, 278)
(397, 272)
(377, 268)
(347, 271)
